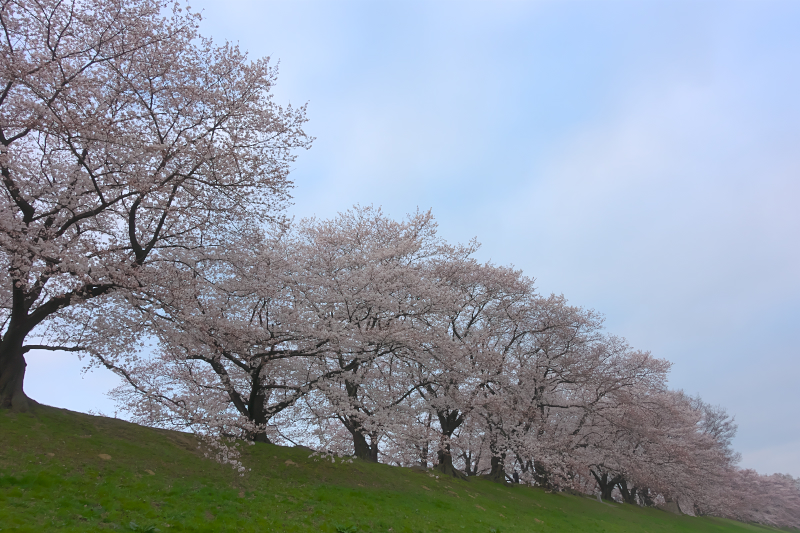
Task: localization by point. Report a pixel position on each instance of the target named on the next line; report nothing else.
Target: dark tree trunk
(425, 448)
(605, 484)
(498, 461)
(257, 408)
(444, 463)
(628, 494)
(12, 374)
(259, 435)
(362, 447)
(470, 463)
(449, 421)
(526, 465)
(647, 500)
(423, 455)
(498, 471)
(541, 476)
(368, 451)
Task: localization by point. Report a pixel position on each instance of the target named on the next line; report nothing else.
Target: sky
(640, 157)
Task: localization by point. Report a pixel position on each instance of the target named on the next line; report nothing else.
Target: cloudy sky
(642, 158)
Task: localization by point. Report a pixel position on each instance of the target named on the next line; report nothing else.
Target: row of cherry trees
(368, 336)
(139, 165)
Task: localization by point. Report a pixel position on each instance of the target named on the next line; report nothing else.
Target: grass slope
(66, 471)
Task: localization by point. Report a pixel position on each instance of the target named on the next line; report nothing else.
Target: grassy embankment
(65, 471)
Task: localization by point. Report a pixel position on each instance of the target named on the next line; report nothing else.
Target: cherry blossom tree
(232, 352)
(365, 281)
(462, 355)
(127, 141)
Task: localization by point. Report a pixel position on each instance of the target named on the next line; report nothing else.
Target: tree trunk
(257, 411)
(526, 465)
(449, 422)
(498, 460)
(470, 463)
(498, 471)
(605, 485)
(363, 449)
(541, 476)
(424, 449)
(12, 375)
(423, 455)
(444, 463)
(628, 495)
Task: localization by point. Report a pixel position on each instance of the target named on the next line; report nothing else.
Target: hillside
(66, 471)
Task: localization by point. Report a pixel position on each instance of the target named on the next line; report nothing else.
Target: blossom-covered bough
(127, 142)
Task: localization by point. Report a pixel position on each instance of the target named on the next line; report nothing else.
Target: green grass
(52, 478)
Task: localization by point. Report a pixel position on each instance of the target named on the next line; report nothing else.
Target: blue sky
(642, 158)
